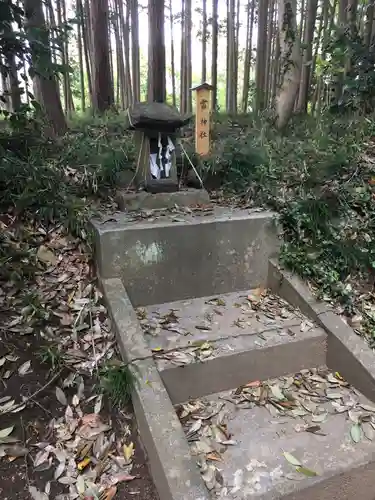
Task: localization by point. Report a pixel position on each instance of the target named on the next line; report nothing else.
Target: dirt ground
(32, 425)
(59, 437)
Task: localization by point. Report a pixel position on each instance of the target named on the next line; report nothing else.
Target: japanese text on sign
(204, 103)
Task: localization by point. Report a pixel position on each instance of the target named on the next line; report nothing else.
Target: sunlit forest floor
(58, 362)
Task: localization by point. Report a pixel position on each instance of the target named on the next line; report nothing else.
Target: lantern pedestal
(134, 202)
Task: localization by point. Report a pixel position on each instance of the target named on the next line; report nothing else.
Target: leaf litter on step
(311, 397)
(260, 305)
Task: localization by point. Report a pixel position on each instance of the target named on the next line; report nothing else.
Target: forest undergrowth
(320, 178)
(49, 191)
(58, 359)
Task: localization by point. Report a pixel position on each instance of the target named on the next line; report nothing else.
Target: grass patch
(117, 381)
(52, 356)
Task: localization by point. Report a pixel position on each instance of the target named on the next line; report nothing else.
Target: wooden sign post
(202, 118)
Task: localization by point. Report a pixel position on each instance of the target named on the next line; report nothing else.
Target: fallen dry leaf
(291, 459)
(6, 407)
(215, 456)
(6, 432)
(255, 383)
(194, 428)
(98, 404)
(124, 478)
(80, 485)
(109, 494)
(46, 255)
(91, 419)
(16, 451)
(306, 472)
(368, 431)
(277, 392)
(209, 477)
(24, 368)
(128, 451)
(356, 433)
(60, 396)
(36, 494)
(83, 464)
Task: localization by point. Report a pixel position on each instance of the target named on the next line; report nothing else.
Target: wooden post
(202, 118)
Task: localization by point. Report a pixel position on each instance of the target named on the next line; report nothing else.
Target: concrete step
(210, 344)
(215, 350)
(241, 439)
(182, 253)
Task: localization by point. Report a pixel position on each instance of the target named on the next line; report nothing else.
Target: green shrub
(317, 176)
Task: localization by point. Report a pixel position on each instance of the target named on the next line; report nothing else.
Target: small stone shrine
(156, 129)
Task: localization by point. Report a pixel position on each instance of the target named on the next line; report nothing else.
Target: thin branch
(39, 391)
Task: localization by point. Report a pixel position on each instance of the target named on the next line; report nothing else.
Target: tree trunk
(332, 18)
(260, 77)
(231, 66)
(372, 45)
(136, 71)
(173, 70)
(127, 56)
(121, 84)
(290, 61)
(66, 58)
(215, 36)
(369, 23)
(5, 102)
(14, 87)
(318, 48)
(156, 52)
(61, 45)
(126, 31)
(44, 78)
(248, 55)
(275, 67)
(15, 91)
(124, 69)
(301, 21)
(103, 97)
(312, 7)
(86, 48)
(80, 55)
(236, 54)
(351, 17)
(343, 5)
(183, 95)
(204, 41)
(301, 34)
(189, 76)
(110, 54)
(25, 77)
(327, 30)
(53, 37)
(268, 75)
(335, 96)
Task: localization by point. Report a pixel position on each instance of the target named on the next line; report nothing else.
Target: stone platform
(208, 344)
(134, 201)
(173, 255)
(186, 291)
